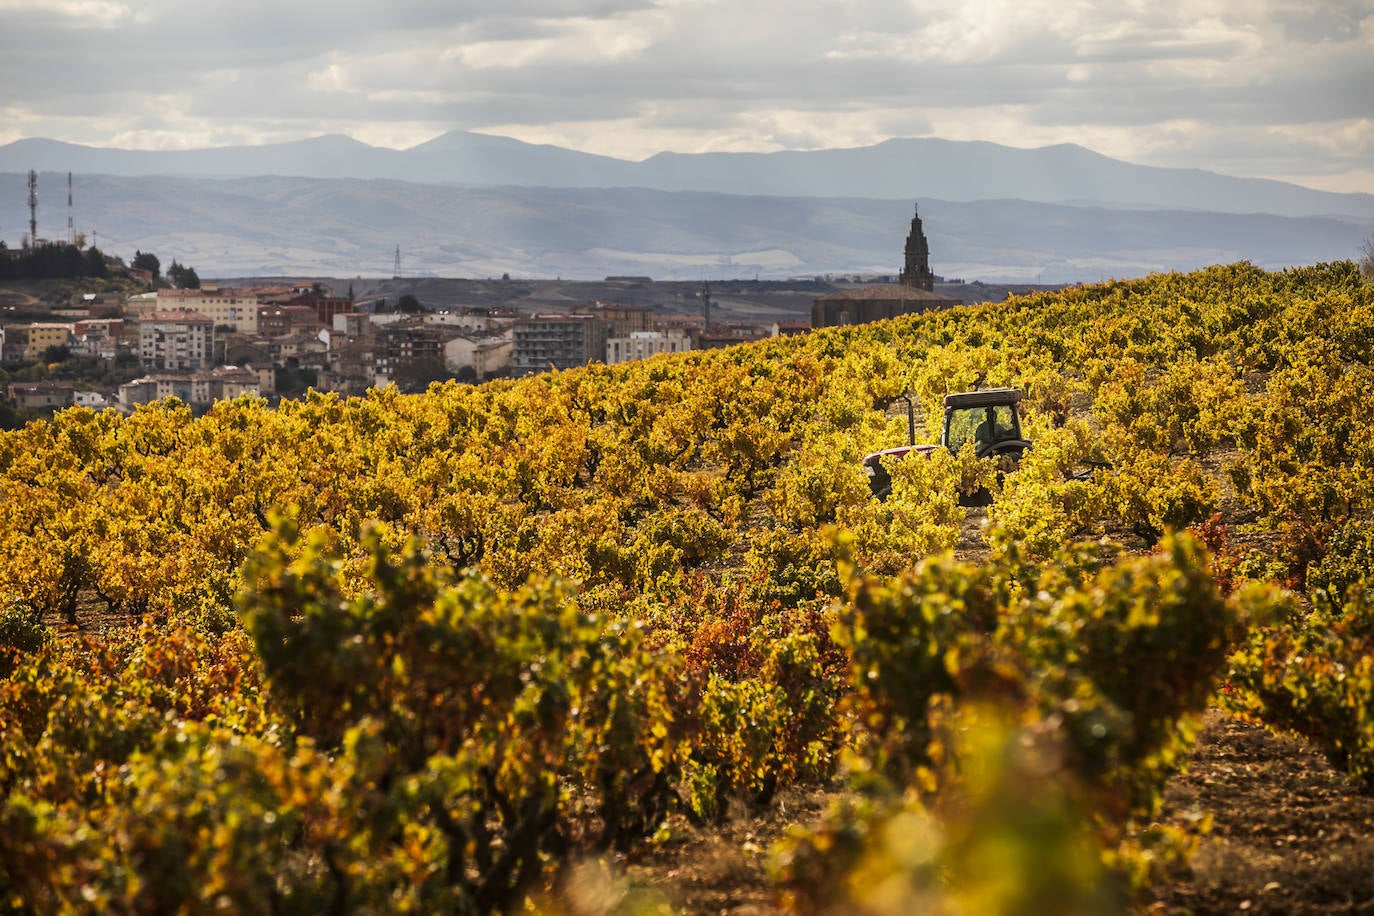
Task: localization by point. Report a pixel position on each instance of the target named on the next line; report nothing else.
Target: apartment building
(283, 320)
(613, 320)
(350, 370)
(14, 341)
(45, 334)
(98, 337)
(554, 342)
(178, 339)
(405, 344)
(227, 308)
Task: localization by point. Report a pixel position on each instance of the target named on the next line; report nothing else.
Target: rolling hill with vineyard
(473, 650)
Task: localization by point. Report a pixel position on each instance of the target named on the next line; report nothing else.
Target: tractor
(988, 418)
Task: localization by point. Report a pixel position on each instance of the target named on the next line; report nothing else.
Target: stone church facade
(914, 293)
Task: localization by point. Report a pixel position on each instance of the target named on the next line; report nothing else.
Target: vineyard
(458, 651)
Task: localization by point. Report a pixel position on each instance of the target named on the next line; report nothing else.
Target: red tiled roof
(176, 316)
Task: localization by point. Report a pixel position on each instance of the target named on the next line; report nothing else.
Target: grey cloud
(709, 67)
(1328, 21)
(1291, 91)
(1160, 50)
(1256, 152)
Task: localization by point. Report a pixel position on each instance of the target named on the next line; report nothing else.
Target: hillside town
(204, 345)
(216, 342)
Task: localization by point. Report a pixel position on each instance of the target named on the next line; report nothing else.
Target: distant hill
(350, 227)
(903, 169)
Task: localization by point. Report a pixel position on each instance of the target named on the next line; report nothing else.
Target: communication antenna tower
(396, 273)
(33, 207)
(71, 235)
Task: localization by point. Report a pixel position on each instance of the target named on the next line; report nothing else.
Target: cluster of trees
(182, 276)
(430, 651)
(51, 261)
(406, 304)
(146, 260)
(178, 274)
(64, 261)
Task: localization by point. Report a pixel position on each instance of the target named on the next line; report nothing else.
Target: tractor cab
(988, 418)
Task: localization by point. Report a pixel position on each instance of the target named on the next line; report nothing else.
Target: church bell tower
(917, 274)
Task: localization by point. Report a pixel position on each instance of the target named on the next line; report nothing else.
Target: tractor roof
(988, 397)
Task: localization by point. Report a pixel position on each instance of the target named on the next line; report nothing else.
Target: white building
(643, 344)
(92, 399)
(154, 388)
(222, 384)
(465, 322)
(486, 355)
(199, 389)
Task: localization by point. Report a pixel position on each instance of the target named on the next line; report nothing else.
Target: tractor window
(963, 424)
(984, 425)
(1003, 420)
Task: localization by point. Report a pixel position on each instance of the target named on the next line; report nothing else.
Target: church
(914, 293)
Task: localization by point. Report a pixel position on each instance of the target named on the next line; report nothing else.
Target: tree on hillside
(95, 263)
(146, 260)
(1367, 259)
(183, 276)
(48, 261)
(408, 304)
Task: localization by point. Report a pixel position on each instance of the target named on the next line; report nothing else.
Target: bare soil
(724, 868)
(1290, 835)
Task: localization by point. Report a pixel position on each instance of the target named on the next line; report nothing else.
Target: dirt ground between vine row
(1290, 835)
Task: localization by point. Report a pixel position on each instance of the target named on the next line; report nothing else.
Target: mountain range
(467, 204)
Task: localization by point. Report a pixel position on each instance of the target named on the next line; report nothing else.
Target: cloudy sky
(1257, 88)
